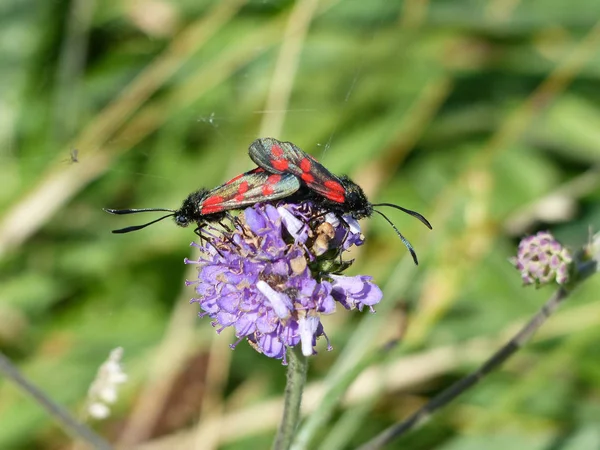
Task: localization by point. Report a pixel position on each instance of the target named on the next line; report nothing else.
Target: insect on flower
(207, 206)
(339, 195)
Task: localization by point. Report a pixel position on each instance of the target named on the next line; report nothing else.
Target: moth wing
(284, 157)
(248, 189)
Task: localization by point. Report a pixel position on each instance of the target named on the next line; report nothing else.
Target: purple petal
(267, 322)
(297, 229)
(271, 345)
(327, 305)
(226, 319)
(254, 220)
(290, 333)
(356, 291)
(245, 325)
(272, 216)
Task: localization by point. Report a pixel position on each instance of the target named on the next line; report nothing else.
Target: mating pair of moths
(283, 171)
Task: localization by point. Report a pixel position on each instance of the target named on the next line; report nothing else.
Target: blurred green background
(482, 115)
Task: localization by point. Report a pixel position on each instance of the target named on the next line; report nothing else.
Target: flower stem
(64, 418)
(517, 342)
(296, 378)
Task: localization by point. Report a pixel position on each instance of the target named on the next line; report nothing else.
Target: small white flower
(103, 391)
(98, 411)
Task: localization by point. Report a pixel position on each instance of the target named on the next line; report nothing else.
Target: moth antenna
(408, 211)
(133, 211)
(402, 238)
(138, 227)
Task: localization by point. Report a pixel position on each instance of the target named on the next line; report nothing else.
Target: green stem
(296, 379)
(61, 415)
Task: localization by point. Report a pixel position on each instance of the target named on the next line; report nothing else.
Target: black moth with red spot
(206, 206)
(339, 195)
(284, 171)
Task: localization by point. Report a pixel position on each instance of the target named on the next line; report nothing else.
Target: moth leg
(318, 216)
(236, 220)
(203, 238)
(225, 227)
(198, 232)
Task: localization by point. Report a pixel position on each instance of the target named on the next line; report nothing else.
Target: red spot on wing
(335, 197)
(307, 177)
(276, 151)
(305, 165)
(336, 191)
(212, 200)
(243, 188)
(280, 164)
(211, 209)
(212, 204)
(273, 179)
(268, 187)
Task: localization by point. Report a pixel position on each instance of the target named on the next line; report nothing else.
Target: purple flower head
(276, 273)
(541, 259)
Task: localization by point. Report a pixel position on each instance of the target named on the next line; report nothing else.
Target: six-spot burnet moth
(205, 206)
(339, 195)
(284, 169)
